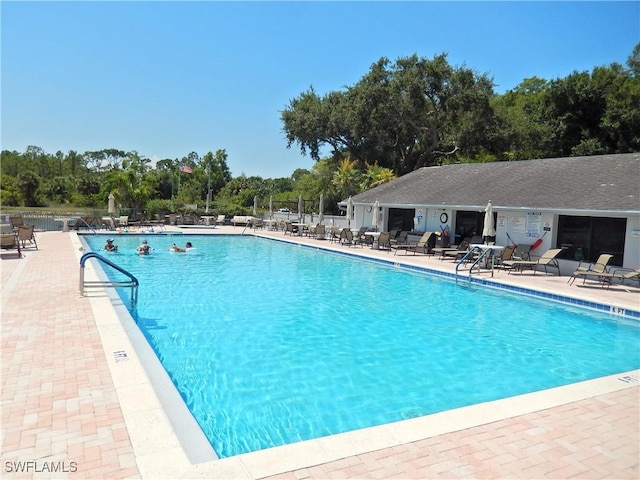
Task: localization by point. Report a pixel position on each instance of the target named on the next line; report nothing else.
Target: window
(585, 238)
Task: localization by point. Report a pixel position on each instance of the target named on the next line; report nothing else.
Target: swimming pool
(270, 343)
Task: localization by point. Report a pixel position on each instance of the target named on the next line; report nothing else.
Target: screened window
(585, 238)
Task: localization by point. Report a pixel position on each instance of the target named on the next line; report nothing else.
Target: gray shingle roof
(595, 183)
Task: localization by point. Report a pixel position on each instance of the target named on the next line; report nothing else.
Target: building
(585, 205)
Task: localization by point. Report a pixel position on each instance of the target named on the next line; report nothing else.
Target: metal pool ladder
(132, 282)
(481, 257)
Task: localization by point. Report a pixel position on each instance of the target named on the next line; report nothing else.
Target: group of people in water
(144, 248)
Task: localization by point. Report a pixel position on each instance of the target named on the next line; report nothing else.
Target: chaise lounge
(547, 260)
(591, 269)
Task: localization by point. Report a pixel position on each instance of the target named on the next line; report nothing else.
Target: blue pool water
(270, 343)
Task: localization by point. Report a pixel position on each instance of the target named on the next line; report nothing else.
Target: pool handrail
(133, 282)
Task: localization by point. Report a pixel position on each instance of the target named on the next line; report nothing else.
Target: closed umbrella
(300, 208)
(489, 229)
(321, 210)
(271, 207)
(255, 205)
(349, 209)
(111, 209)
(376, 208)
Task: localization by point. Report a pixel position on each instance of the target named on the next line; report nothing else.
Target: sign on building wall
(529, 226)
(534, 225)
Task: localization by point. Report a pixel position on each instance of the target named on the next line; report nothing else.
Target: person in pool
(109, 246)
(176, 248)
(143, 248)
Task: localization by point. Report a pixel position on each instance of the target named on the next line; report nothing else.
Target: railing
(132, 282)
(467, 257)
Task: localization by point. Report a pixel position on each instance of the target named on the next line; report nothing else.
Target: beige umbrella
(255, 205)
(111, 209)
(321, 210)
(375, 220)
(489, 229)
(271, 207)
(349, 209)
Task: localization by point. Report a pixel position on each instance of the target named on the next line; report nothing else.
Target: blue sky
(168, 78)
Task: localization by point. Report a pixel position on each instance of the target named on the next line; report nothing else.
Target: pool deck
(77, 401)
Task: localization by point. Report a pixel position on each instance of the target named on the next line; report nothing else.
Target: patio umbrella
(300, 207)
(489, 229)
(255, 205)
(376, 208)
(321, 210)
(349, 209)
(111, 209)
(271, 207)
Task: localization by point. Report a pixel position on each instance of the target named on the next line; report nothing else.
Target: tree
(29, 183)
(402, 116)
(346, 178)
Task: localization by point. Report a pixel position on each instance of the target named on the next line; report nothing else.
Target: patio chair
(220, 220)
(507, 254)
(9, 241)
(591, 269)
(16, 221)
(384, 241)
(26, 234)
(347, 238)
(320, 232)
(547, 260)
(334, 234)
(290, 228)
(422, 246)
(88, 222)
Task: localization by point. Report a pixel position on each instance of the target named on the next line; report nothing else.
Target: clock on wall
(444, 217)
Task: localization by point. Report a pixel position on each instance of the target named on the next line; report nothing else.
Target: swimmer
(143, 248)
(109, 246)
(175, 248)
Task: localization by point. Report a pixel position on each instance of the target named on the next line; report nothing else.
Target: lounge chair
(25, 234)
(219, 220)
(591, 269)
(9, 241)
(422, 246)
(547, 260)
(399, 239)
(459, 251)
(88, 222)
(620, 274)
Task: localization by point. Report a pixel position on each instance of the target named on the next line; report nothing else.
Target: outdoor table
(65, 223)
(300, 226)
(270, 224)
(207, 219)
(375, 235)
